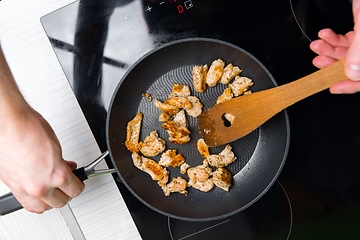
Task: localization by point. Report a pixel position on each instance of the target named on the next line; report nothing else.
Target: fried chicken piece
(177, 129)
(162, 183)
(199, 78)
(224, 158)
(168, 108)
(226, 95)
(151, 167)
(184, 167)
(171, 159)
(230, 71)
(228, 155)
(133, 133)
(180, 118)
(152, 145)
(240, 85)
(178, 184)
(222, 178)
(229, 117)
(177, 133)
(180, 102)
(197, 106)
(203, 148)
(215, 160)
(199, 177)
(215, 72)
(164, 117)
(180, 90)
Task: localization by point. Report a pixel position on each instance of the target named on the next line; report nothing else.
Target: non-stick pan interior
(260, 155)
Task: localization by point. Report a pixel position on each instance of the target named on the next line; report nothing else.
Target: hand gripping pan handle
(9, 204)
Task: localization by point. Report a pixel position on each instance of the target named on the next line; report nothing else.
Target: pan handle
(8, 204)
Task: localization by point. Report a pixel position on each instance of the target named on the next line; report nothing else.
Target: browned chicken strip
(215, 72)
(222, 178)
(152, 145)
(180, 90)
(178, 184)
(162, 183)
(215, 160)
(230, 71)
(180, 102)
(164, 117)
(227, 154)
(168, 108)
(180, 118)
(199, 177)
(171, 159)
(199, 78)
(151, 167)
(203, 148)
(177, 129)
(197, 106)
(226, 95)
(133, 133)
(177, 133)
(240, 85)
(224, 158)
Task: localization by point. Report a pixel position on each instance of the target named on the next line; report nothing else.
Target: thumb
(352, 65)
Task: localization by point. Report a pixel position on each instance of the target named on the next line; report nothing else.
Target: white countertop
(99, 212)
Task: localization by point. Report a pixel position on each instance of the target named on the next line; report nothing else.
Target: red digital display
(144, 25)
(139, 14)
(180, 8)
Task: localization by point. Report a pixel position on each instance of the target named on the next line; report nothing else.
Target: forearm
(11, 99)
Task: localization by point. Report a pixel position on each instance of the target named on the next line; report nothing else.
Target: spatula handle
(304, 87)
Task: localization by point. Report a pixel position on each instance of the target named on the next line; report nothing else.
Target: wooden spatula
(251, 111)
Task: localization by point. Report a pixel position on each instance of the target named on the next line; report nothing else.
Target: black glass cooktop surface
(317, 195)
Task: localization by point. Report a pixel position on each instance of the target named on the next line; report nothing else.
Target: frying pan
(260, 155)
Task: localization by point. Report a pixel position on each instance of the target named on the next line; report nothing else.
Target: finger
(324, 48)
(36, 207)
(32, 204)
(350, 36)
(346, 86)
(322, 61)
(336, 40)
(316, 46)
(67, 182)
(56, 198)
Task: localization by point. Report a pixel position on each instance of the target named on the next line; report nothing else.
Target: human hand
(31, 163)
(332, 47)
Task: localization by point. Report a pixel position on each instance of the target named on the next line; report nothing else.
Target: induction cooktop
(317, 195)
